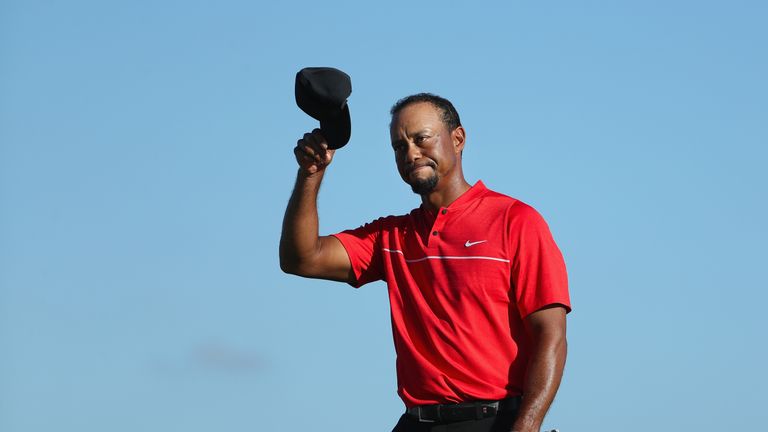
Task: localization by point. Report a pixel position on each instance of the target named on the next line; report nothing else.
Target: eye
(421, 138)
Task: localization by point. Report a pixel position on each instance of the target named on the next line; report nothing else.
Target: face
(426, 152)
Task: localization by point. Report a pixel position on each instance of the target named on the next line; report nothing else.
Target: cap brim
(338, 129)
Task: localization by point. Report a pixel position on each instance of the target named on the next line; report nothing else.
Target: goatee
(424, 186)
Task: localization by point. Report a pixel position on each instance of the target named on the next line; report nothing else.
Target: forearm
(545, 371)
(300, 237)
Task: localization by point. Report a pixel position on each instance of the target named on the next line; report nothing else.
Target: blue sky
(146, 160)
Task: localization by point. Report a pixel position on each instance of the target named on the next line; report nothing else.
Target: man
(477, 287)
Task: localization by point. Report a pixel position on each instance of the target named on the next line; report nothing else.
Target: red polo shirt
(460, 282)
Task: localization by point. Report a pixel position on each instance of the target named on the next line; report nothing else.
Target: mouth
(416, 169)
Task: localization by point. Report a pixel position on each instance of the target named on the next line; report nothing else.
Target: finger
(309, 140)
(314, 142)
(321, 141)
(316, 138)
(301, 154)
(318, 134)
(327, 154)
(305, 146)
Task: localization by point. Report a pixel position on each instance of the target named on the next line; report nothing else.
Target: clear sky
(146, 161)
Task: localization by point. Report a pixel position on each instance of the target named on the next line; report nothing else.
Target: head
(427, 138)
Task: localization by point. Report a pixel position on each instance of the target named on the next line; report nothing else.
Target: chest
(460, 256)
(451, 234)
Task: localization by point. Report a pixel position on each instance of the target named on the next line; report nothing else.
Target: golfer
(477, 286)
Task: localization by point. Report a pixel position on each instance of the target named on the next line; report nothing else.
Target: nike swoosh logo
(469, 243)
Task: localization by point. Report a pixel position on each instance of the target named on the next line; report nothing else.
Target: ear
(459, 137)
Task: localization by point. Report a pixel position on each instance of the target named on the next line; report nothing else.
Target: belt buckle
(487, 409)
(495, 405)
(423, 420)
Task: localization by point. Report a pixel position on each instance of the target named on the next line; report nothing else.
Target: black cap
(322, 93)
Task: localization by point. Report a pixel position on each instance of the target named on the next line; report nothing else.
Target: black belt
(463, 411)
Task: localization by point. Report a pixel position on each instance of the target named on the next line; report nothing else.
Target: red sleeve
(364, 251)
(539, 278)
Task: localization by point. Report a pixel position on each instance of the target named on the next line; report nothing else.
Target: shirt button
(434, 233)
(444, 211)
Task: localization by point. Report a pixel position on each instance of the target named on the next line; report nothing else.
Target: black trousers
(502, 422)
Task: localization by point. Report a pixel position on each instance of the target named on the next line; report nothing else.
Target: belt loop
(478, 411)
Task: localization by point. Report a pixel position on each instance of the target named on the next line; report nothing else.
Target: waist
(473, 410)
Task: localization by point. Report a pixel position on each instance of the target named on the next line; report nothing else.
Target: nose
(412, 154)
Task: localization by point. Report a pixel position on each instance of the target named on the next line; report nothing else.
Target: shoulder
(499, 199)
(512, 205)
(387, 223)
(515, 210)
(525, 211)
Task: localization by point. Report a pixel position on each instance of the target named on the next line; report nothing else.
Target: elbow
(294, 266)
(288, 265)
(298, 263)
(288, 260)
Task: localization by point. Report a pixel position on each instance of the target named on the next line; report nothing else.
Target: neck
(445, 194)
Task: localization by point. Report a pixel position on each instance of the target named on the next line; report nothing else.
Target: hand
(312, 153)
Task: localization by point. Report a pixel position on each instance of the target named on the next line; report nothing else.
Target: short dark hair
(450, 115)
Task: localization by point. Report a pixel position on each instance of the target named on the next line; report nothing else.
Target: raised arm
(303, 251)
